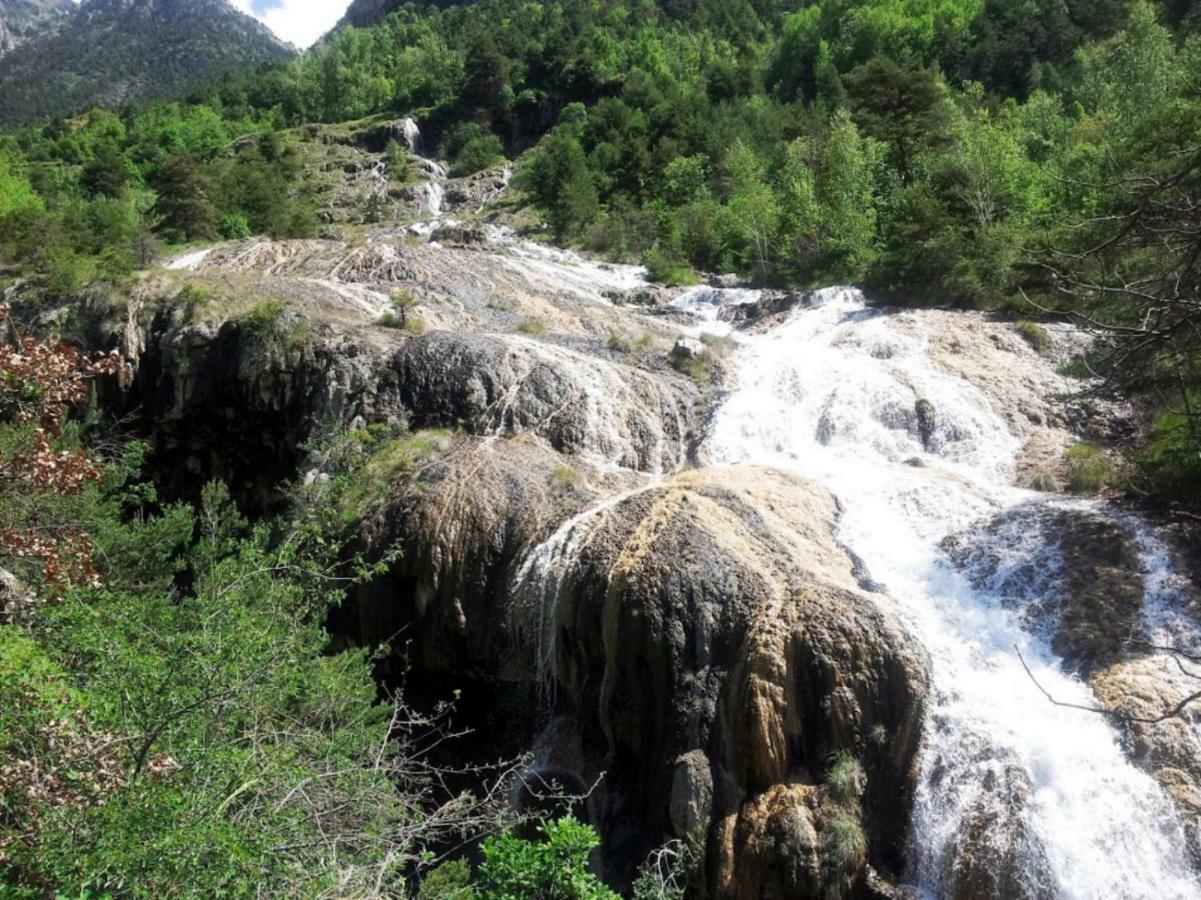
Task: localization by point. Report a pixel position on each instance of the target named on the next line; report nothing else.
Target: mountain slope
(111, 51)
(362, 13)
(21, 20)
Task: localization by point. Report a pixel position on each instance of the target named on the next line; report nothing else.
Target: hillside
(110, 52)
(21, 20)
(599, 449)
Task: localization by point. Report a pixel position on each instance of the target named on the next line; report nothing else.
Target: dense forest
(1036, 158)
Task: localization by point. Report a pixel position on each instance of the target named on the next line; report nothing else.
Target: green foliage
(1170, 459)
(844, 777)
(450, 881)
(234, 226)
(618, 343)
(1035, 335)
(844, 845)
(471, 148)
(664, 267)
(554, 868)
(263, 319)
(1089, 470)
(558, 176)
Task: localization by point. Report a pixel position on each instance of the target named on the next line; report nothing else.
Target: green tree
(902, 106)
(184, 206)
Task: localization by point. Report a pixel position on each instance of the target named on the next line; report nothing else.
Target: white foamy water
(563, 271)
(705, 304)
(189, 262)
(836, 395)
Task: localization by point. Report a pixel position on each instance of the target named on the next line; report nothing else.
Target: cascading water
(914, 456)
(433, 192)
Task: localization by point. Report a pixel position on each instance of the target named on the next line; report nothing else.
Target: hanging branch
(1172, 713)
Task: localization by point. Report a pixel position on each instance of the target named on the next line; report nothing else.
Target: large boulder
(707, 636)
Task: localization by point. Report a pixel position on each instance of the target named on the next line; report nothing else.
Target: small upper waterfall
(433, 191)
(914, 456)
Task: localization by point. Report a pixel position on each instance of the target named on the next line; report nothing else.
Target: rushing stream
(836, 395)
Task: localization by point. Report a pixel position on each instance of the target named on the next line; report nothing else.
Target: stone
(691, 795)
(16, 601)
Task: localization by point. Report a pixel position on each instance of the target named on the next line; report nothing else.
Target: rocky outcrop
(607, 413)
(706, 634)
(16, 600)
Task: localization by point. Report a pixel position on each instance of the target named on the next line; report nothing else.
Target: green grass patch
(844, 844)
(1035, 335)
(565, 477)
(262, 319)
(619, 343)
(1088, 469)
(532, 327)
(844, 778)
(695, 367)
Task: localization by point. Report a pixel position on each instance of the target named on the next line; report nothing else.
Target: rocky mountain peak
(21, 20)
(108, 52)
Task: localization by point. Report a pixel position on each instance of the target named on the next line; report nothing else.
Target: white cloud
(301, 22)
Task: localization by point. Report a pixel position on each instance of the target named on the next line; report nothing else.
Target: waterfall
(433, 192)
(411, 134)
(915, 456)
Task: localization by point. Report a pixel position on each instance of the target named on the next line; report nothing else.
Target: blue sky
(299, 21)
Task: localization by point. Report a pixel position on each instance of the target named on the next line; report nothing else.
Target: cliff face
(23, 20)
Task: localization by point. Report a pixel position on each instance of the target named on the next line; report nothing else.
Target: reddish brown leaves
(40, 384)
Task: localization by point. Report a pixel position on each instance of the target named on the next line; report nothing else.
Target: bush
(234, 226)
(565, 477)
(619, 344)
(450, 881)
(1035, 335)
(262, 319)
(532, 327)
(844, 778)
(667, 268)
(1088, 469)
(554, 867)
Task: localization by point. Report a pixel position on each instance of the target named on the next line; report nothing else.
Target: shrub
(698, 368)
(556, 866)
(619, 344)
(532, 327)
(234, 226)
(412, 324)
(565, 477)
(667, 268)
(262, 319)
(191, 297)
(1035, 335)
(450, 881)
(1088, 469)
(844, 778)
(844, 844)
